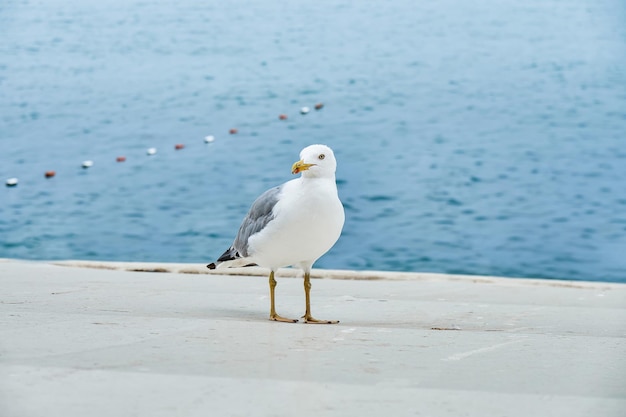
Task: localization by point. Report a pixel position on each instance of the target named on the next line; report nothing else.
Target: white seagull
(292, 224)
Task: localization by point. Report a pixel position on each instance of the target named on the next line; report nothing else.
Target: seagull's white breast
(308, 219)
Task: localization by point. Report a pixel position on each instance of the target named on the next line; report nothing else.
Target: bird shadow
(231, 314)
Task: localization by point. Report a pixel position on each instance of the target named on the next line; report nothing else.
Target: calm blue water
(472, 137)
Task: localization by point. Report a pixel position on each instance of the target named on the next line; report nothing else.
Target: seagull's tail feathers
(230, 259)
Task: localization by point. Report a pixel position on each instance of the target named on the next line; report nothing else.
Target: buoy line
(13, 181)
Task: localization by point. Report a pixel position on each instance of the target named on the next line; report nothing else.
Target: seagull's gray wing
(259, 215)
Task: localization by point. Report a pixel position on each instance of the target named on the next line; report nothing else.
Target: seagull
(293, 224)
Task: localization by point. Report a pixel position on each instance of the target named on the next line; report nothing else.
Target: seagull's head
(316, 161)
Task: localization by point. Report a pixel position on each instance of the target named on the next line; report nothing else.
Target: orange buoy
(282, 116)
(179, 146)
(120, 159)
(233, 131)
(319, 106)
(50, 174)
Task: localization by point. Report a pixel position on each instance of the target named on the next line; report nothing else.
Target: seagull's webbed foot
(276, 317)
(310, 319)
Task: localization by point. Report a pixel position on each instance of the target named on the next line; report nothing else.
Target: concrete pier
(110, 339)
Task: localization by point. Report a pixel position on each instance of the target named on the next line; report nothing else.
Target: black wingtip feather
(229, 255)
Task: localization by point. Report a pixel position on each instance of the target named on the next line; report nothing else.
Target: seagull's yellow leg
(308, 318)
(273, 315)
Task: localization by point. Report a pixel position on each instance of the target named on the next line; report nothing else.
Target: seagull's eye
(322, 156)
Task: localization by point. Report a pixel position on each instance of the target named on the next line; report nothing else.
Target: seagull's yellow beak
(300, 166)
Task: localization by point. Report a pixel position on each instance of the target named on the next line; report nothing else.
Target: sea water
(472, 137)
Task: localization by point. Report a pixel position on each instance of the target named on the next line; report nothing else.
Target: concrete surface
(109, 342)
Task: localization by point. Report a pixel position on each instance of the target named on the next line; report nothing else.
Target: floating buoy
(304, 110)
(282, 116)
(49, 174)
(151, 151)
(179, 146)
(87, 164)
(11, 182)
(209, 139)
(233, 131)
(120, 159)
(319, 106)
